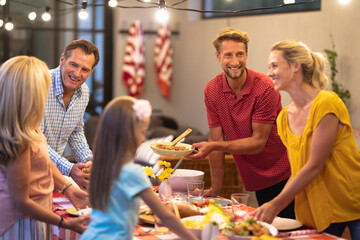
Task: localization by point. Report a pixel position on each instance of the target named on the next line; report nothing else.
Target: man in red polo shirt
(242, 106)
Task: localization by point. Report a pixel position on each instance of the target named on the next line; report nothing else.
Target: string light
(162, 15)
(46, 16)
(113, 3)
(83, 14)
(1, 22)
(9, 25)
(32, 16)
(344, 1)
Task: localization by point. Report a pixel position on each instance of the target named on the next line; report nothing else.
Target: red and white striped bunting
(163, 60)
(134, 61)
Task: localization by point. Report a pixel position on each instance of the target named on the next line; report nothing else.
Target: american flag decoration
(134, 61)
(163, 60)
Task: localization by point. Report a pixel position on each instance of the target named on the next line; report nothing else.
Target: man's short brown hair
(88, 48)
(230, 33)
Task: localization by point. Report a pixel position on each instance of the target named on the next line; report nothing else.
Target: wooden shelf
(232, 181)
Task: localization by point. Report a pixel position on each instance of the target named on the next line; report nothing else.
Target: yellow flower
(149, 171)
(165, 171)
(165, 164)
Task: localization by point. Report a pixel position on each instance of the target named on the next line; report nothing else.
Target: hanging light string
(145, 4)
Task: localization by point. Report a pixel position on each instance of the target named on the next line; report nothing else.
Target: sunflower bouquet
(164, 171)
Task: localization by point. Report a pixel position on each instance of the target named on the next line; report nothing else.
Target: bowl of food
(180, 177)
(165, 149)
(195, 224)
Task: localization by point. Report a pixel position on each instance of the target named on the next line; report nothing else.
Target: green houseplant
(335, 85)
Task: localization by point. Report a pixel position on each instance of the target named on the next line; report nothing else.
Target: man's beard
(235, 75)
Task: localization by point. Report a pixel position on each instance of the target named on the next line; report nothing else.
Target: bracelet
(65, 188)
(61, 221)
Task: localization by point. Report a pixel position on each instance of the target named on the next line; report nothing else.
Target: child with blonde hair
(117, 184)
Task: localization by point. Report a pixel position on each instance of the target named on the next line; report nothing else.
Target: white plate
(285, 224)
(172, 153)
(222, 201)
(273, 231)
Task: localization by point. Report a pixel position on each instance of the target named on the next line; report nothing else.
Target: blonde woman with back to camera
(27, 175)
(315, 127)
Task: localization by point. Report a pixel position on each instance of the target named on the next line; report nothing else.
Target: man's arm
(61, 163)
(217, 163)
(251, 145)
(79, 145)
(71, 169)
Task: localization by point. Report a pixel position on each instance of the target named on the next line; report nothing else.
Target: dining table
(145, 231)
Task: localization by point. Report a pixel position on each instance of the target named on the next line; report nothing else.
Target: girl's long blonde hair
(24, 84)
(115, 145)
(313, 64)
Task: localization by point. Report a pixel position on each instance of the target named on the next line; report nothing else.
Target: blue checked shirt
(61, 126)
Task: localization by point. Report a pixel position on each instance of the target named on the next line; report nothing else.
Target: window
(46, 40)
(263, 6)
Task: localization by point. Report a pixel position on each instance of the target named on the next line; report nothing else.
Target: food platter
(286, 224)
(273, 231)
(145, 218)
(182, 149)
(224, 202)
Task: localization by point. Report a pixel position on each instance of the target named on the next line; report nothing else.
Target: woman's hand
(78, 197)
(78, 224)
(265, 213)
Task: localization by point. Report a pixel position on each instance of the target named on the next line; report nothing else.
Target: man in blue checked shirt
(65, 107)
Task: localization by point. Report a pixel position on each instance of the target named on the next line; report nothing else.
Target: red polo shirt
(260, 103)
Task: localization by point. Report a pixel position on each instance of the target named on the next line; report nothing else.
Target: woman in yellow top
(315, 127)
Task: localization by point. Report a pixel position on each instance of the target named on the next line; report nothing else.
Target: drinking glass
(239, 203)
(195, 190)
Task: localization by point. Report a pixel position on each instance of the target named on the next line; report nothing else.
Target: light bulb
(46, 16)
(2, 2)
(9, 26)
(1, 22)
(344, 1)
(162, 15)
(32, 16)
(147, 0)
(83, 14)
(112, 3)
(289, 1)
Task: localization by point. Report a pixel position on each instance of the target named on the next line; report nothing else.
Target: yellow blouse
(334, 195)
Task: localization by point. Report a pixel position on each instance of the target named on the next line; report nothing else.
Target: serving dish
(172, 153)
(273, 231)
(198, 218)
(180, 177)
(286, 224)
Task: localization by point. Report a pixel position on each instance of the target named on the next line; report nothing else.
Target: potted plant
(335, 85)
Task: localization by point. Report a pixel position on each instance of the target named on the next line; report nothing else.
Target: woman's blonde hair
(312, 64)
(115, 145)
(24, 84)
